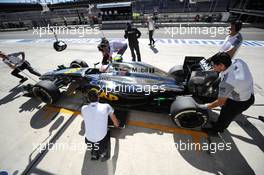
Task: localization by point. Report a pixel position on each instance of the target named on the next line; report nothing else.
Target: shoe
(153, 42)
(94, 157)
(261, 118)
(23, 80)
(104, 157)
(149, 44)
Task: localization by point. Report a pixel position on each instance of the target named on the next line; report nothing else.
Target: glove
(202, 106)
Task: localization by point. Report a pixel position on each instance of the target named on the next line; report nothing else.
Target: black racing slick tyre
(177, 73)
(46, 91)
(185, 114)
(78, 64)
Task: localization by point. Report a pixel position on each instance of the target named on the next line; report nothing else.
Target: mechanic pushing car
(95, 117)
(132, 34)
(234, 40)
(236, 92)
(108, 48)
(18, 64)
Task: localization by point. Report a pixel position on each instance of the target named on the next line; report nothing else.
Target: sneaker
(104, 158)
(23, 80)
(261, 118)
(94, 157)
(149, 44)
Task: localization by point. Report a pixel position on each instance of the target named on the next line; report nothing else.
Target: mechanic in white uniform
(234, 40)
(95, 117)
(236, 92)
(108, 49)
(18, 64)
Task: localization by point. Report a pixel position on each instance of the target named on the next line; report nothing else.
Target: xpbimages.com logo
(81, 31)
(126, 88)
(64, 147)
(212, 147)
(182, 30)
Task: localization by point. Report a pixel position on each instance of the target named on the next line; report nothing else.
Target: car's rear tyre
(185, 114)
(46, 91)
(78, 64)
(177, 73)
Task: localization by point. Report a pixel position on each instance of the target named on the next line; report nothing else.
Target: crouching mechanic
(18, 64)
(235, 90)
(95, 117)
(108, 49)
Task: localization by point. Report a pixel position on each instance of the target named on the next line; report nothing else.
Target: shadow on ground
(225, 161)
(36, 156)
(13, 94)
(103, 168)
(154, 49)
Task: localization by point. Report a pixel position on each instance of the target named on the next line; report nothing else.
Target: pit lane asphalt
(163, 32)
(145, 146)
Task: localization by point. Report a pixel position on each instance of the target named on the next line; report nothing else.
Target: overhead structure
(115, 15)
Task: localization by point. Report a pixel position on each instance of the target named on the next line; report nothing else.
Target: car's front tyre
(185, 114)
(46, 91)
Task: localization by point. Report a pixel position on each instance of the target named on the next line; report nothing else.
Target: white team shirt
(237, 82)
(95, 117)
(13, 59)
(231, 42)
(151, 25)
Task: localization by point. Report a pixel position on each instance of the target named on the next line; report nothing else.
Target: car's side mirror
(59, 46)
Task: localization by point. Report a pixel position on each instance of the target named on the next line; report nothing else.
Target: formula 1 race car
(136, 85)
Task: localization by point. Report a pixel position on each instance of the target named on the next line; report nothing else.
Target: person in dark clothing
(132, 34)
(111, 51)
(18, 64)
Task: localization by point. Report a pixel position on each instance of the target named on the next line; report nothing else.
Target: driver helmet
(104, 43)
(117, 58)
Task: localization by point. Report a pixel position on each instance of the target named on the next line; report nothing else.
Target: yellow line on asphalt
(61, 110)
(196, 135)
(166, 128)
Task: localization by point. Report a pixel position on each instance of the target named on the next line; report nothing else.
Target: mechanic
(108, 48)
(234, 40)
(95, 117)
(132, 34)
(151, 28)
(18, 64)
(236, 92)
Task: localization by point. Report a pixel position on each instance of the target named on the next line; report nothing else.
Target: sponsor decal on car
(72, 70)
(143, 69)
(136, 69)
(107, 96)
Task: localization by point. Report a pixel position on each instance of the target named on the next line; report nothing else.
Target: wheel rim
(190, 119)
(42, 95)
